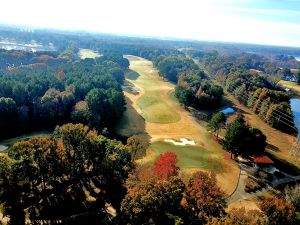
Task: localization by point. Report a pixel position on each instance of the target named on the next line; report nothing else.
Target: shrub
(263, 176)
(253, 185)
(278, 211)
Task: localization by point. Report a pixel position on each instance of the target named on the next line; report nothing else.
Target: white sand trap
(183, 141)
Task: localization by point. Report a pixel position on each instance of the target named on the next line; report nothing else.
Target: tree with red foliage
(204, 198)
(162, 197)
(165, 166)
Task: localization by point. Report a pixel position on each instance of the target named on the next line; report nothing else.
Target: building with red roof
(261, 159)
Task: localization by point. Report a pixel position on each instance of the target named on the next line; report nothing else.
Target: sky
(272, 22)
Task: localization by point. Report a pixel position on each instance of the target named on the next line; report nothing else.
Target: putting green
(189, 156)
(153, 105)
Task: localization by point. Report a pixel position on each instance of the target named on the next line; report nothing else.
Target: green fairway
(154, 113)
(189, 156)
(152, 103)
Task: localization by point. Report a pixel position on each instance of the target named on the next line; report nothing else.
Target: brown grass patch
(248, 204)
(227, 181)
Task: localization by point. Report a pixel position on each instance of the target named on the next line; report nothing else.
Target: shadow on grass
(225, 103)
(132, 123)
(131, 75)
(272, 147)
(284, 166)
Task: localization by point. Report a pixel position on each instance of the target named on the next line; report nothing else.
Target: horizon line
(163, 38)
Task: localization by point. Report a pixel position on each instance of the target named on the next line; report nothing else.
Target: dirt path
(185, 127)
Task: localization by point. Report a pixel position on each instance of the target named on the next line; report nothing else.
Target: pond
(295, 105)
(228, 110)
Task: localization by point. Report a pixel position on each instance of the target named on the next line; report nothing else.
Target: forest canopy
(193, 86)
(36, 97)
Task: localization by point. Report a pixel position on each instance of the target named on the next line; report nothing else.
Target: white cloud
(270, 12)
(194, 19)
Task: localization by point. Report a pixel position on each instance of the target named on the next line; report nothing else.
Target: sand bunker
(183, 141)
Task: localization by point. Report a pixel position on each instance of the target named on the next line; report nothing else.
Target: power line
(245, 96)
(280, 118)
(272, 99)
(279, 112)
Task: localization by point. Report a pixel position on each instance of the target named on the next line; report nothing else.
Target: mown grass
(189, 156)
(88, 53)
(152, 103)
(291, 85)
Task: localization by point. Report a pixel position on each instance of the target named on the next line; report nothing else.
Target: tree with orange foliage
(153, 202)
(142, 173)
(204, 198)
(240, 216)
(278, 211)
(165, 166)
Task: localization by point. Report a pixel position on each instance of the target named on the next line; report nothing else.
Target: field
(88, 53)
(161, 116)
(291, 85)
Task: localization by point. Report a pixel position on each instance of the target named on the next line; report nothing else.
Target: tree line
(87, 91)
(192, 85)
(257, 91)
(240, 139)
